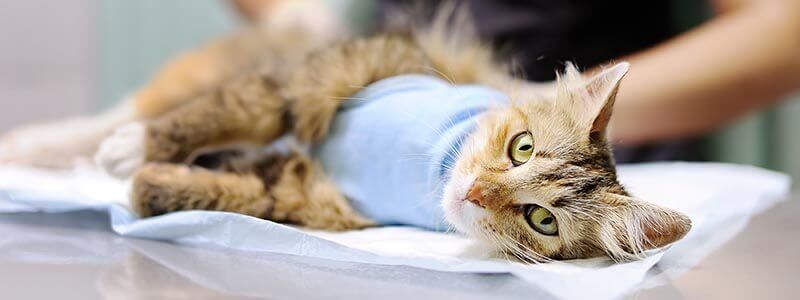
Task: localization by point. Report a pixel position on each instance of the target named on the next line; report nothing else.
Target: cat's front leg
(247, 110)
(123, 152)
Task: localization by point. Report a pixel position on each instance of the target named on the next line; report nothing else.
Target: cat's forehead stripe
(544, 154)
(580, 178)
(560, 202)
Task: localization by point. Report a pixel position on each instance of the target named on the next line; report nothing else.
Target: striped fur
(572, 172)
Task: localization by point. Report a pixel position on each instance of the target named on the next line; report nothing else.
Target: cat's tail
(451, 42)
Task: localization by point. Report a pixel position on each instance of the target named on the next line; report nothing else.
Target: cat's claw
(121, 154)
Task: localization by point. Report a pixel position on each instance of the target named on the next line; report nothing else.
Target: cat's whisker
(530, 257)
(437, 131)
(440, 73)
(516, 252)
(527, 250)
(488, 234)
(521, 255)
(499, 241)
(450, 227)
(518, 255)
(430, 196)
(503, 246)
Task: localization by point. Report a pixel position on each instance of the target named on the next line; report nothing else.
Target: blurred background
(62, 58)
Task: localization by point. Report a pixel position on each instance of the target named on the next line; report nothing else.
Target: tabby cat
(420, 129)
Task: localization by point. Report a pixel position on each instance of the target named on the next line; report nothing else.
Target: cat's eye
(541, 220)
(521, 148)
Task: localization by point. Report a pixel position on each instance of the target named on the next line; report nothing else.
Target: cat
(299, 25)
(530, 173)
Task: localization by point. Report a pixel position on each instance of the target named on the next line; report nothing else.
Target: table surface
(76, 256)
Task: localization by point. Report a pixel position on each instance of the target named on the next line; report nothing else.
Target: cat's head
(537, 180)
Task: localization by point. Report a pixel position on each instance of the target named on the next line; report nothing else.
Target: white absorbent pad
(719, 198)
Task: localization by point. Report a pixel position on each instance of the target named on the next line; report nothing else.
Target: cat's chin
(462, 214)
(456, 210)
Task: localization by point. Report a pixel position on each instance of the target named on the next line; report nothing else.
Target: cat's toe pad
(123, 153)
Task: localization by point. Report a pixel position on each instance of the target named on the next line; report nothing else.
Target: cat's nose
(475, 195)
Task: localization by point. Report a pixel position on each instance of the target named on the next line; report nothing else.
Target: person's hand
(252, 10)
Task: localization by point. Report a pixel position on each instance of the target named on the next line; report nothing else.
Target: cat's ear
(638, 225)
(602, 92)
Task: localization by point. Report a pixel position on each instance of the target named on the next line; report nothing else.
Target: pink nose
(475, 195)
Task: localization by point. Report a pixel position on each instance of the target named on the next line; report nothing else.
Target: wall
(138, 36)
(47, 51)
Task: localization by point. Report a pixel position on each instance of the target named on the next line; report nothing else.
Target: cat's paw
(121, 154)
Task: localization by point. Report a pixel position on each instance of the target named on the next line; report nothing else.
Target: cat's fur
(572, 173)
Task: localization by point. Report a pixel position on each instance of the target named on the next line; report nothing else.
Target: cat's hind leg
(163, 188)
(305, 196)
(281, 188)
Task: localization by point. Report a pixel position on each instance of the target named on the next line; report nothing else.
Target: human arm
(743, 60)
(251, 10)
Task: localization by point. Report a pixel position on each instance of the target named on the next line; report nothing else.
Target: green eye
(521, 148)
(542, 220)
